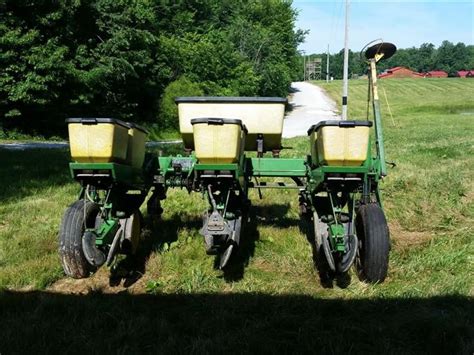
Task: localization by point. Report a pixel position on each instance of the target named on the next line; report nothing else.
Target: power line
(327, 66)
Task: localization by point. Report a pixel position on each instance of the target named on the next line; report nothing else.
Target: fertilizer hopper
(262, 117)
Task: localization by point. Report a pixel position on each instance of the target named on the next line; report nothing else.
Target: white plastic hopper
(261, 115)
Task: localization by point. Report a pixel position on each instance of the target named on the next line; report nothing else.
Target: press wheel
(78, 217)
(374, 243)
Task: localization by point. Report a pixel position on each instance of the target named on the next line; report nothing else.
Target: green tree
(447, 57)
(168, 108)
(426, 57)
(116, 57)
(444, 59)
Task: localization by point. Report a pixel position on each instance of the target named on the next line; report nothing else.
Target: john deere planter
(338, 181)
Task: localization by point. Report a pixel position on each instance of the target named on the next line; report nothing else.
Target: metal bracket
(337, 232)
(260, 146)
(216, 231)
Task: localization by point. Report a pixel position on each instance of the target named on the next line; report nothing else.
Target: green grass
(271, 299)
(14, 136)
(432, 145)
(35, 188)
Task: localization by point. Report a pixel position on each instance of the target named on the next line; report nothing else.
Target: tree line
(448, 56)
(129, 59)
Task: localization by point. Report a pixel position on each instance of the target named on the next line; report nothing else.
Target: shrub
(168, 114)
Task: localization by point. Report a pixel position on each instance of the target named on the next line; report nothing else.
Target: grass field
(172, 300)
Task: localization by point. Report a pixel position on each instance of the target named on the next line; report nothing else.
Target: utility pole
(308, 72)
(304, 65)
(327, 66)
(346, 64)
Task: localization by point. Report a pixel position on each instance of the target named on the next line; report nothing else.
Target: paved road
(310, 105)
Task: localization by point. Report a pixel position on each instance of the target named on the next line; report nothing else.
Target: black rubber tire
(72, 229)
(374, 243)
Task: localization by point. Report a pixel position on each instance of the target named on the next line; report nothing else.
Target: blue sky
(404, 23)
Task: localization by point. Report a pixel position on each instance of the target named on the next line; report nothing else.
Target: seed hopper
(231, 144)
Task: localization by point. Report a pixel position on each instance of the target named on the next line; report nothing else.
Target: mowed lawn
(172, 299)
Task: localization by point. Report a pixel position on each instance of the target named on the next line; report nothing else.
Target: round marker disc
(385, 48)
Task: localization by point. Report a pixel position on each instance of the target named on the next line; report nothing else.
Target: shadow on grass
(43, 322)
(249, 235)
(274, 215)
(133, 267)
(165, 231)
(327, 277)
(24, 172)
(271, 215)
(156, 234)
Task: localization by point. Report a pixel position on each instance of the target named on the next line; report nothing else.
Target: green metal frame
(312, 179)
(106, 231)
(119, 173)
(377, 117)
(275, 167)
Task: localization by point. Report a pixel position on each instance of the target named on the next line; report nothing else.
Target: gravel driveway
(310, 105)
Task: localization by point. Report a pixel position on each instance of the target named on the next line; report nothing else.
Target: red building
(400, 72)
(436, 74)
(466, 73)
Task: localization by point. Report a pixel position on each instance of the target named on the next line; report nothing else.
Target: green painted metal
(379, 143)
(364, 169)
(166, 163)
(221, 169)
(176, 171)
(336, 232)
(230, 167)
(276, 167)
(118, 172)
(106, 231)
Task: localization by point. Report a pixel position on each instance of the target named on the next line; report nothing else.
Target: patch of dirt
(404, 239)
(100, 282)
(468, 198)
